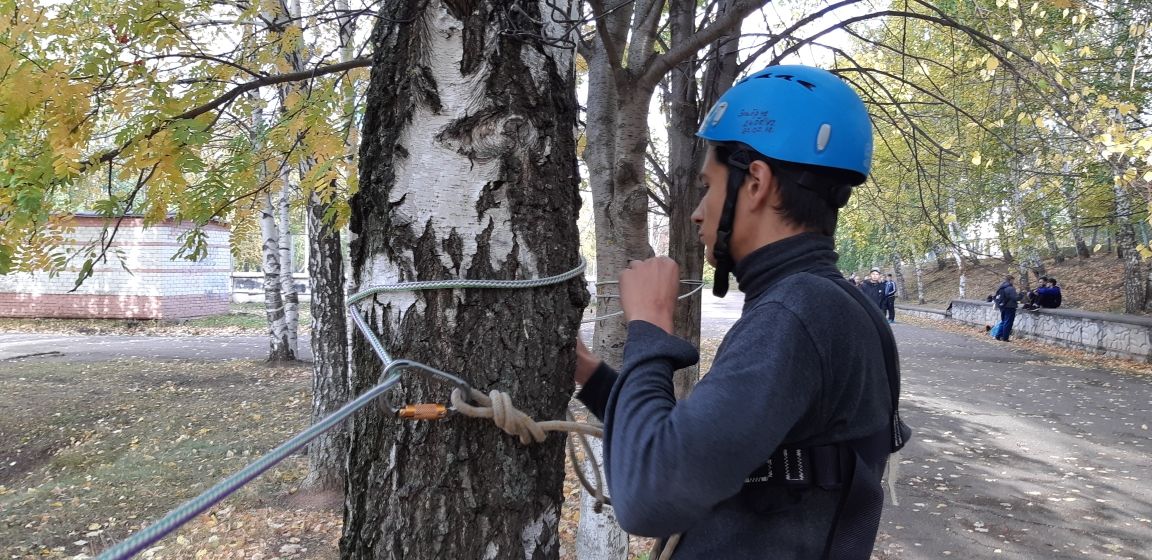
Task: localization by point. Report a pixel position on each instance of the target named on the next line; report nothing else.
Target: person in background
(1006, 299)
(890, 299)
(1049, 296)
(873, 288)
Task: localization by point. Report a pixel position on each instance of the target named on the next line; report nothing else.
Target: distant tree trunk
(898, 272)
(684, 157)
(1068, 188)
(938, 254)
(1050, 237)
(468, 170)
(1134, 279)
(919, 281)
(957, 251)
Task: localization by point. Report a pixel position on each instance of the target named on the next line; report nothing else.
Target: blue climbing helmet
(796, 114)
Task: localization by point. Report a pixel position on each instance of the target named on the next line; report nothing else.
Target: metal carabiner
(422, 411)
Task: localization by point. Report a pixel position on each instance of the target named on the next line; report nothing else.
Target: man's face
(875, 276)
(714, 184)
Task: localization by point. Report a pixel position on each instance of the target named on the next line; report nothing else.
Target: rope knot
(497, 406)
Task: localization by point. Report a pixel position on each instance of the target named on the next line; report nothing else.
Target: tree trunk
(898, 271)
(468, 170)
(957, 251)
(287, 267)
(328, 453)
(1126, 245)
(685, 157)
(1050, 237)
(919, 281)
(1083, 251)
(598, 535)
(279, 351)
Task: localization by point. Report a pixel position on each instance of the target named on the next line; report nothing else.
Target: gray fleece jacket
(803, 366)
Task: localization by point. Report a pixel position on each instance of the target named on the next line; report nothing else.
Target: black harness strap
(738, 164)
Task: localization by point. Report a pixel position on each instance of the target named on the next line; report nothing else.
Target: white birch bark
(287, 282)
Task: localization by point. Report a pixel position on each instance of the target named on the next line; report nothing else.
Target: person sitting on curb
(1049, 297)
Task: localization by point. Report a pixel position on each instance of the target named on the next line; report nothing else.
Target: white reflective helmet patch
(718, 112)
(823, 136)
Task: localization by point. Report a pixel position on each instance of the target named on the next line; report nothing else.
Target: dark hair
(1052, 280)
(810, 195)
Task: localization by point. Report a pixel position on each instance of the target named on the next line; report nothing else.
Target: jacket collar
(805, 252)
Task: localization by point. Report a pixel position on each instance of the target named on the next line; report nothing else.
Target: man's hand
(586, 362)
(648, 291)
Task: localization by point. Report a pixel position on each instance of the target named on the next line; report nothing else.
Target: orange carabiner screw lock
(423, 412)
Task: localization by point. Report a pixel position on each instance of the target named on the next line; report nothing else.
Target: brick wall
(153, 287)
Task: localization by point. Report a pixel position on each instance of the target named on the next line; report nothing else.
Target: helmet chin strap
(738, 163)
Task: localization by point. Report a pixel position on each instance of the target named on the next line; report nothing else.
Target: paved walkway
(1018, 456)
(76, 348)
(1014, 455)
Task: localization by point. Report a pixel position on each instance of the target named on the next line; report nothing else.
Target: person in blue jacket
(778, 451)
(1006, 299)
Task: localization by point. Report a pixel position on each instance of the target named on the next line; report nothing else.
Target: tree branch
(661, 65)
(230, 96)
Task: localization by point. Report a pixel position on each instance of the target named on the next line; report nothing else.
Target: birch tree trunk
(468, 170)
(1134, 279)
(957, 252)
(279, 350)
(898, 272)
(287, 260)
(919, 281)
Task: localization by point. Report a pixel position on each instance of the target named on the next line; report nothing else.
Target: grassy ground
(91, 451)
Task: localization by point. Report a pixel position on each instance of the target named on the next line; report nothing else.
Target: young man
(873, 288)
(1006, 299)
(1048, 296)
(778, 451)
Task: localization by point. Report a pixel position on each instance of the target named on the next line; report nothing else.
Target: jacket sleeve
(595, 392)
(669, 463)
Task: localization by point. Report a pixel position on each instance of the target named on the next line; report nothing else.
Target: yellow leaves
(976, 158)
(1137, 30)
(992, 63)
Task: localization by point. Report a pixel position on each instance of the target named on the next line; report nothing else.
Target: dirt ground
(1095, 284)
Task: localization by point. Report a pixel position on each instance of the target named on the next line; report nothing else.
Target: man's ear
(760, 185)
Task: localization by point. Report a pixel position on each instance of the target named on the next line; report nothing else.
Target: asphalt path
(1015, 455)
(98, 348)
